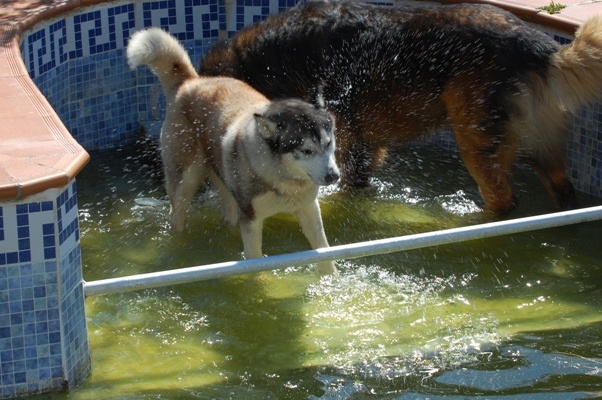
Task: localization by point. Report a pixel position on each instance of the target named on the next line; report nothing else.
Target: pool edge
(37, 152)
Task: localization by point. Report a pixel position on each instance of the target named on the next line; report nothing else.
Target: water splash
(457, 203)
(374, 322)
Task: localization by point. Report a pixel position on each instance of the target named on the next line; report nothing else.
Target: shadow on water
(513, 317)
(219, 336)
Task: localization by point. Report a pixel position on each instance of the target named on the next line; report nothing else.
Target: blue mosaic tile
(86, 83)
(22, 328)
(562, 40)
(43, 298)
(250, 11)
(23, 242)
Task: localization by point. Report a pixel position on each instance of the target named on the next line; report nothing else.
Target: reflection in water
(508, 317)
(537, 366)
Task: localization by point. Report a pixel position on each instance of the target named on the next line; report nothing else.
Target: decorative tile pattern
(247, 12)
(41, 294)
(27, 233)
(79, 64)
(68, 228)
(195, 19)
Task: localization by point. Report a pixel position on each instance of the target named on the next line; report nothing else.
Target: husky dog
(262, 157)
(396, 73)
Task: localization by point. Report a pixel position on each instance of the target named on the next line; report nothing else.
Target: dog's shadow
(256, 320)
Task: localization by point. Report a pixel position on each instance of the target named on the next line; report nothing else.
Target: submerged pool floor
(509, 317)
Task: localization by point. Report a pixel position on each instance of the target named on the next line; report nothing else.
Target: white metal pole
(347, 251)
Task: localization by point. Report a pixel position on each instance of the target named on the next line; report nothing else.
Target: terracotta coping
(37, 152)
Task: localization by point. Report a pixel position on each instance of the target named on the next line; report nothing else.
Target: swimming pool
(509, 317)
(76, 59)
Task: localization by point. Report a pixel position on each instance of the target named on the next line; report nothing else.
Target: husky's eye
(307, 152)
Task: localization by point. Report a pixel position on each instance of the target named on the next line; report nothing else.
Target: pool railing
(340, 252)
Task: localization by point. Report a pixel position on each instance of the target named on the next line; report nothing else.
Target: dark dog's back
(361, 44)
(363, 50)
(394, 73)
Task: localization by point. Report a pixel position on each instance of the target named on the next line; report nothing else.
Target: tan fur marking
(490, 169)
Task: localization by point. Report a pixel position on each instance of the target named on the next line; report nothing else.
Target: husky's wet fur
(262, 157)
(395, 73)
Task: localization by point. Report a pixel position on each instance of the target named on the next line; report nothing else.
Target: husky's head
(301, 135)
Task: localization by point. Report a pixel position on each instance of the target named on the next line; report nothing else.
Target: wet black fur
(378, 50)
(371, 56)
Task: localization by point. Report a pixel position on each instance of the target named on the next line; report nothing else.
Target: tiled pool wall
(78, 63)
(43, 333)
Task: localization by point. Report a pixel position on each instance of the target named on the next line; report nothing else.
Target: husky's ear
(266, 127)
(316, 96)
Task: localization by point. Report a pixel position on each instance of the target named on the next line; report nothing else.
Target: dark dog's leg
(489, 159)
(492, 172)
(484, 143)
(557, 183)
(359, 161)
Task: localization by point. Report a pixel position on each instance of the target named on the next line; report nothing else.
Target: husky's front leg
(251, 232)
(310, 220)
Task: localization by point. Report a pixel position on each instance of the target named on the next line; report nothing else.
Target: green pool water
(513, 317)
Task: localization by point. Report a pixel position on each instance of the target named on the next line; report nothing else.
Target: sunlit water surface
(514, 317)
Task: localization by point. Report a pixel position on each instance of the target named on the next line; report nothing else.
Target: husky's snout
(331, 174)
(327, 175)
(332, 177)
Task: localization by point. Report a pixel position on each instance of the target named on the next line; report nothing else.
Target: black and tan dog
(395, 73)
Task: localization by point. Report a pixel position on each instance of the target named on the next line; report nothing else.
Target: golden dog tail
(576, 69)
(164, 54)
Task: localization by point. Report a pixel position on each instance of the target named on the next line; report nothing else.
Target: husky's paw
(326, 268)
(177, 222)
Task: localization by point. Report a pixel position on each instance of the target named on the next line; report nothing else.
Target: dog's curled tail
(576, 70)
(164, 54)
